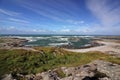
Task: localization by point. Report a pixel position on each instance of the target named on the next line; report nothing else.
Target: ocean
(68, 41)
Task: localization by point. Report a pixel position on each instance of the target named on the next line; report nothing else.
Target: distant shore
(110, 47)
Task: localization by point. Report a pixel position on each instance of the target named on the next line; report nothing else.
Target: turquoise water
(68, 41)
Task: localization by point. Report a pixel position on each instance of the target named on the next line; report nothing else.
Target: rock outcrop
(12, 42)
(96, 70)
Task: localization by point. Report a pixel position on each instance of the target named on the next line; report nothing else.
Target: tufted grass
(32, 62)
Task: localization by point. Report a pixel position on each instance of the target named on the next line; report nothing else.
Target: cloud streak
(61, 16)
(18, 20)
(60, 11)
(9, 13)
(107, 13)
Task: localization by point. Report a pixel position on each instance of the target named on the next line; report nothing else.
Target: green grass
(27, 62)
(2, 41)
(60, 73)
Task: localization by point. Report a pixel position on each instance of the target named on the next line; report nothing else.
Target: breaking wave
(58, 44)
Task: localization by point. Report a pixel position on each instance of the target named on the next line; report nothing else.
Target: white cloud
(9, 13)
(75, 21)
(108, 13)
(65, 30)
(18, 20)
(11, 27)
(38, 30)
(15, 30)
(51, 12)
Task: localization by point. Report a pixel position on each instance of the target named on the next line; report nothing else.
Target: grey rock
(112, 70)
(105, 78)
(96, 70)
(8, 77)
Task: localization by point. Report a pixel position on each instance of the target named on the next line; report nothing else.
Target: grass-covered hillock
(27, 62)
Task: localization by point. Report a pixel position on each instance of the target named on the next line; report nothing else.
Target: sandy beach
(109, 47)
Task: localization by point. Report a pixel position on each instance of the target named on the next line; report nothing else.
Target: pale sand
(108, 47)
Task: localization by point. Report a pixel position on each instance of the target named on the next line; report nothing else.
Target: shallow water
(68, 41)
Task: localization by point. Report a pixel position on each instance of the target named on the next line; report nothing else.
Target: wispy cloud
(15, 30)
(18, 20)
(108, 13)
(9, 13)
(60, 11)
(65, 30)
(39, 31)
(53, 16)
(75, 21)
(62, 16)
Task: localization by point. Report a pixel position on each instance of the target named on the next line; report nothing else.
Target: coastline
(110, 47)
(72, 60)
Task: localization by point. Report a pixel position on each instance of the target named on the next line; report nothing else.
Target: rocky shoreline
(8, 42)
(96, 70)
(91, 44)
(109, 47)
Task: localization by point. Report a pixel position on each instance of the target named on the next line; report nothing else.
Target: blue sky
(82, 17)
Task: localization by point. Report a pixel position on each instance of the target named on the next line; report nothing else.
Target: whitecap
(63, 39)
(58, 44)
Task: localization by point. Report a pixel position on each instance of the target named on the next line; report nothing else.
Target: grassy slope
(26, 62)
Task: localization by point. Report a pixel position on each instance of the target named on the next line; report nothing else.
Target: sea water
(71, 41)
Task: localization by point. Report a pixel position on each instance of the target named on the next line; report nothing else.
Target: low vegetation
(27, 62)
(1, 40)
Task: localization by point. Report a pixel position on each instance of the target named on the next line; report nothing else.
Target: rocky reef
(11, 42)
(89, 45)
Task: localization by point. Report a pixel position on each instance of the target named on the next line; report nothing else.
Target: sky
(81, 17)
